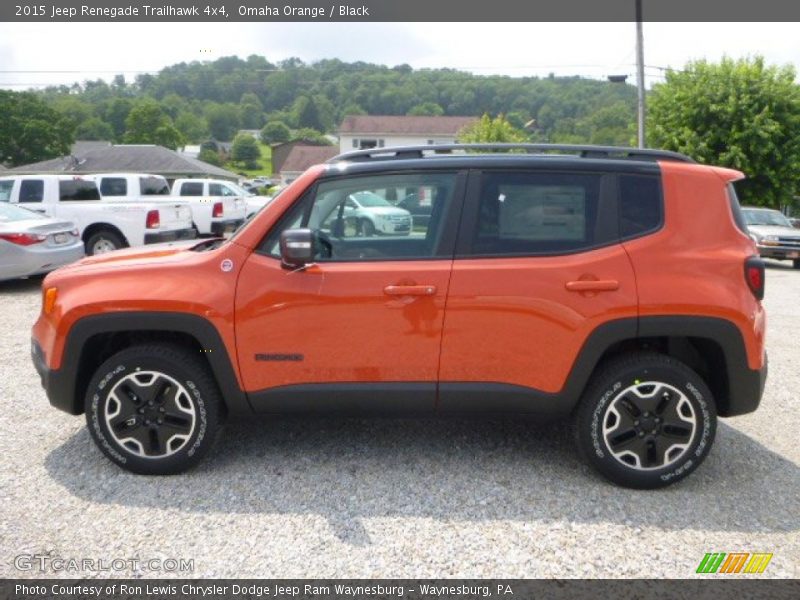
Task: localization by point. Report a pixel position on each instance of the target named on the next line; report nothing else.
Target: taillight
(23, 239)
(218, 210)
(754, 276)
(153, 219)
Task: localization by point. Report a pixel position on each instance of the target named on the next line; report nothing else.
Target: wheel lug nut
(160, 421)
(636, 423)
(147, 421)
(141, 411)
(641, 434)
(162, 409)
(150, 403)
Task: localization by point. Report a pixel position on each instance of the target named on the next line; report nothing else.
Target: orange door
(367, 315)
(536, 270)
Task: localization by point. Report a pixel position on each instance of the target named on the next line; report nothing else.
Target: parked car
(226, 207)
(254, 202)
(31, 244)
(103, 225)
(209, 216)
(795, 222)
(373, 214)
(420, 208)
(617, 287)
(773, 234)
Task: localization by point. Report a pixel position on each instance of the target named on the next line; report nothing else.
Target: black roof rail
(584, 151)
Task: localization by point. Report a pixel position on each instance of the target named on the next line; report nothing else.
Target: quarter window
(77, 189)
(539, 213)
(639, 205)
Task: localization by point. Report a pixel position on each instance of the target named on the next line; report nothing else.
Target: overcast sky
(39, 54)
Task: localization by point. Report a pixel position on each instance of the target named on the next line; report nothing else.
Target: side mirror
(297, 248)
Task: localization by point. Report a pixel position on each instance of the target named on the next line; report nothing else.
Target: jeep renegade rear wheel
(646, 421)
(153, 409)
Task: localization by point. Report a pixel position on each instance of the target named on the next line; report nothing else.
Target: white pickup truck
(223, 206)
(103, 226)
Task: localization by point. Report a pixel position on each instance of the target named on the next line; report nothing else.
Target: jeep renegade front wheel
(645, 421)
(153, 409)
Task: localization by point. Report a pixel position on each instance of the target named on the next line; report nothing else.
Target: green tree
(426, 109)
(147, 124)
(30, 130)
(307, 114)
(275, 132)
(307, 134)
(193, 127)
(245, 150)
(738, 113)
(94, 129)
(210, 156)
(223, 120)
(487, 130)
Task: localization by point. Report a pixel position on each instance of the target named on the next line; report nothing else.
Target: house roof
(128, 158)
(403, 125)
(301, 158)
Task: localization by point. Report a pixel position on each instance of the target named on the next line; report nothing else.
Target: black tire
(665, 441)
(103, 241)
(184, 408)
(367, 228)
(796, 263)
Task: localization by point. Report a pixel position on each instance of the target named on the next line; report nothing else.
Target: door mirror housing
(298, 248)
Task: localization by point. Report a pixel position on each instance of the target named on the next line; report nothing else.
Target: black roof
(455, 162)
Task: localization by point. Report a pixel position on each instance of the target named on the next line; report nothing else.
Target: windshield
(9, 213)
(369, 199)
(240, 191)
(765, 217)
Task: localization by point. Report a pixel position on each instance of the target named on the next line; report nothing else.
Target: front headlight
(769, 240)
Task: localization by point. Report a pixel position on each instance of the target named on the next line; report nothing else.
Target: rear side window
(192, 188)
(153, 186)
(114, 186)
(31, 190)
(640, 206)
(540, 213)
(77, 189)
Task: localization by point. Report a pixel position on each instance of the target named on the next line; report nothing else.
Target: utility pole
(640, 72)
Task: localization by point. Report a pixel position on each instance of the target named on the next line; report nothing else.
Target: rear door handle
(589, 285)
(409, 290)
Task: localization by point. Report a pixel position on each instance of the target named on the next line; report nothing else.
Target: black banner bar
(396, 10)
(712, 588)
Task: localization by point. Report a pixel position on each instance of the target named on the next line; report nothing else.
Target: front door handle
(589, 285)
(409, 290)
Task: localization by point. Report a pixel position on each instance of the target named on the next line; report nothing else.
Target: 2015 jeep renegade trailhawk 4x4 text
(615, 285)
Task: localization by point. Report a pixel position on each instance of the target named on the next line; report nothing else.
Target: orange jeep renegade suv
(615, 285)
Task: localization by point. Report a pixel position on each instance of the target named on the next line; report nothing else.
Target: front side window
(192, 188)
(31, 190)
(114, 186)
(356, 218)
(522, 213)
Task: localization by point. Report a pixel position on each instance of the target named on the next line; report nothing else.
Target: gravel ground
(382, 498)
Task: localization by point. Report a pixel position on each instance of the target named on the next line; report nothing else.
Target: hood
(387, 210)
(144, 255)
(775, 230)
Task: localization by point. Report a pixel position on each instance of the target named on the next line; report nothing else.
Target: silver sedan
(31, 244)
